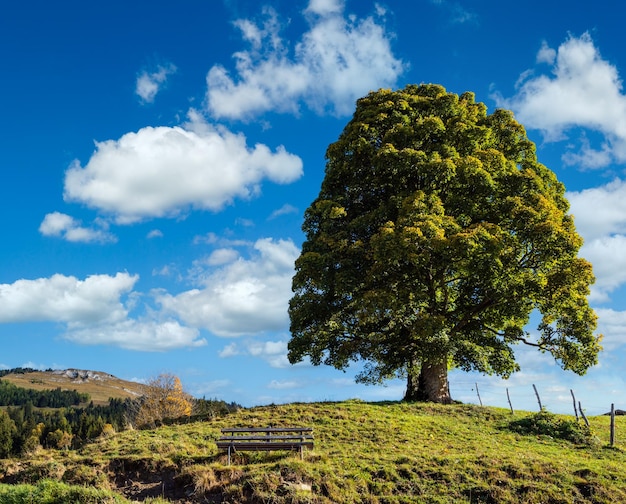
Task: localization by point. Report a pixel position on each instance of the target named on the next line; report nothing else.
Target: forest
(65, 419)
(12, 395)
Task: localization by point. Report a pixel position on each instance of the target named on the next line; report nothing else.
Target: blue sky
(157, 158)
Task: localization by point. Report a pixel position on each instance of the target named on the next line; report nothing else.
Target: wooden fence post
(509, 399)
(612, 440)
(538, 399)
(582, 414)
(574, 399)
(478, 394)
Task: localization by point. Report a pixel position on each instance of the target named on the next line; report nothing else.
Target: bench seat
(265, 439)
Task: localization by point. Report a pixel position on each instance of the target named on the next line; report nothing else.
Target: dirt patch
(138, 480)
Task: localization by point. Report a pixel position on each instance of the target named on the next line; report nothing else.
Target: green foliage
(18, 370)
(435, 234)
(545, 423)
(211, 408)
(62, 428)
(7, 432)
(12, 395)
(52, 492)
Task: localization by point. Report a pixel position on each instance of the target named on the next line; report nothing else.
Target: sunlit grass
(364, 452)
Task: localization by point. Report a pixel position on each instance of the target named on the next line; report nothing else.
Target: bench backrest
(266, 430)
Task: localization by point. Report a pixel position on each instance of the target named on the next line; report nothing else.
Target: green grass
(53, 492)
(364, 453)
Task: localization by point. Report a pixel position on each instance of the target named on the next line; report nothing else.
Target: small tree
(435, 235)
(59, 439)
(7, 432)
(163, 398)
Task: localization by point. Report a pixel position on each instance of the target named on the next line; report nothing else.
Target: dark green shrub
(545, 423)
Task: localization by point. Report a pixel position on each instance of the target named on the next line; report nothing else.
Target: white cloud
(458, 14)
(93, 312)
(230, 350)
(149, 83)
(213, 239)
(41, 367)
(165, 271)
(222, 256)
(155, 233)
(64, 226)
(284, 210)
(337, 60)
(283, 384)
(584, 90)
(144, 335)
(612, 324)
(66, 299)
(607, 256)
(273, 352)
(600, 218)
(599, 211)
(546, 54)
(325, 7)
(162, 171)
(244, 297)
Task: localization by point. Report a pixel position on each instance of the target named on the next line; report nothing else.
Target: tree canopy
(436, 234)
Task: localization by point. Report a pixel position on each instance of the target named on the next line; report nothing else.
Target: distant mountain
(99, 385)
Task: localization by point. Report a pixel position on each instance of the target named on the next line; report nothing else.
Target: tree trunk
(431, 384)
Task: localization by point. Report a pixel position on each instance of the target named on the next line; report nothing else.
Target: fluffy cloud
(284, 384)
(93, 312)
(66, 299)
(145, 335)
(337, 60)
(162, 171)
(155, 233)
(609, 265)
(611, 323)
(284, 210)
(272, 352)
(600, 211)
(64, 226)
(246, 296)
(600, 216)
(149, 83)
(230, 350)
(583, 90)
(222, 256)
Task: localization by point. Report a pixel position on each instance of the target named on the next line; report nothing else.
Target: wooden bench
(265, 439)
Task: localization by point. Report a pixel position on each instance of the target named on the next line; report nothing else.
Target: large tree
(436, 234)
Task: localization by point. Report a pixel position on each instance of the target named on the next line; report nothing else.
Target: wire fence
(486, 394)
(532, 397)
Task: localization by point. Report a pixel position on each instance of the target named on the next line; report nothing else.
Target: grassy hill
(100, 386)
(364, 453)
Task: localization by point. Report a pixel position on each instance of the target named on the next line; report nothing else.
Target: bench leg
(229, 455)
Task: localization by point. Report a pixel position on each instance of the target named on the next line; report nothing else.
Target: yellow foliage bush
(164, 398)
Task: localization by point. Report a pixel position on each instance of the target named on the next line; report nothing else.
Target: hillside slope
(364, 453)
(100, 386)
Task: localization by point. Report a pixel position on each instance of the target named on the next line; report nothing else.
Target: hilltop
(364, 453)
(99, 385)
